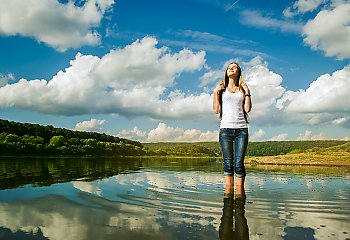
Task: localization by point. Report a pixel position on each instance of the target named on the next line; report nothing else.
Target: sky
(146, 69)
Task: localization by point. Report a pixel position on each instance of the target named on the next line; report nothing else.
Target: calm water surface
(168, 199)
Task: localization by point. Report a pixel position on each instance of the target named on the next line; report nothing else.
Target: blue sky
(145, 70)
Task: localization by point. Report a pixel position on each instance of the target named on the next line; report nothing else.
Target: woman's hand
(219, 87)
(245, 88)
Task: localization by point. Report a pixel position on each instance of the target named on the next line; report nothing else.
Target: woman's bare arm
(216, 104)
(247, 101)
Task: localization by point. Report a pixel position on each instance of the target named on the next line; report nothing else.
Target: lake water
(70, 198)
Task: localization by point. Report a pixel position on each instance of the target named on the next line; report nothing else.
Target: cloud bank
(60, 26)
(329, 31)
(324, 101)
(164, 133)
(328, 93)
(130, 81)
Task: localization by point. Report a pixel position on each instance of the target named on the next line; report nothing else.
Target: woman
(231, 99)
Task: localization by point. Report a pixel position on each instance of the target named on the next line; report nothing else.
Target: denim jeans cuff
(228, 174)
(240, 175)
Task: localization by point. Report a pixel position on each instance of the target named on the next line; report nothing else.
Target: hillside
(345, 147)
(26, 138)
(269, 148)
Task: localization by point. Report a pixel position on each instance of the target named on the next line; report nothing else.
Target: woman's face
(232, 70)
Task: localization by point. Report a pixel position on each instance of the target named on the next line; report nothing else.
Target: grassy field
(308, 158)
(269, 148)
(312, 153)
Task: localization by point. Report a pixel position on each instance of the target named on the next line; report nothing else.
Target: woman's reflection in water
(233, 222)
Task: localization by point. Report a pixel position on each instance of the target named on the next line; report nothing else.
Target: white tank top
(232, 111)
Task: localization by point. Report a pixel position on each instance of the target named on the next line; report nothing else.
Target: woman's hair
(238, 83)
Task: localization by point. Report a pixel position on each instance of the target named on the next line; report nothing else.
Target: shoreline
(336, 159)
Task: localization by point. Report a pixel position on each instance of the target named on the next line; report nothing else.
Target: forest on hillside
(269, 148)
(26, 138)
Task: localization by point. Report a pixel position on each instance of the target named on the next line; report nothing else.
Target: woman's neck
(231, 83)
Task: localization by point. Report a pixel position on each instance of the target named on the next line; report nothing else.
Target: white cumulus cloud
(266, 89)
(59, 25)
(280, 137)
(257, 136)
(308, 135)
(134, 134)
(325, 101)
(91, 125)
(329, 31)
(302, 6)
(164, 133)
(327, 94)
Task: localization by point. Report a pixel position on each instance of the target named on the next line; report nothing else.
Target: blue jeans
(234, 160)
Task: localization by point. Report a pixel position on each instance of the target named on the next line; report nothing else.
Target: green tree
(3, 136)
(13, 138)
(58, 141)
(32, 139)
(74, 141)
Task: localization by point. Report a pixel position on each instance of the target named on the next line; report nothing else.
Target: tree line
(26, 138)
(268, 148)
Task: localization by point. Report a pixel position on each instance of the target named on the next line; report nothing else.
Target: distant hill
(345, 147)
(269, 148)
(27, 138)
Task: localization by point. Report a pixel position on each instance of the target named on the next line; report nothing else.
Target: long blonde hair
(238, 83)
